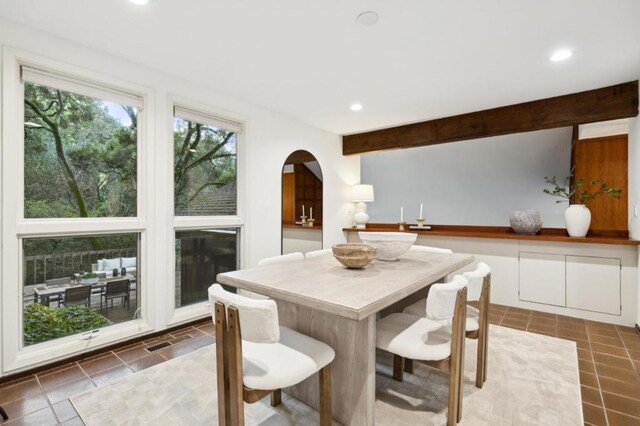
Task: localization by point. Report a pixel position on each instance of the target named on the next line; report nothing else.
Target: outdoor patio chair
(76, 296)
(4, 414)
(55, 282)
(116, 290)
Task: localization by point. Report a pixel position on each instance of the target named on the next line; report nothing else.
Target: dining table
(338, 306)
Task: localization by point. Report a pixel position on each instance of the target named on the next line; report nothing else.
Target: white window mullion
(196, 222)
(12, 185)
(77, 226)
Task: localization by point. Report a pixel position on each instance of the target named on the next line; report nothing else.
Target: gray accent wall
(476, 182)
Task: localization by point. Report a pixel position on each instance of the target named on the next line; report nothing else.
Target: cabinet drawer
(593, 284)
(542, 278)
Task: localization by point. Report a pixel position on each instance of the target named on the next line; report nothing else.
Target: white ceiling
(309, 59)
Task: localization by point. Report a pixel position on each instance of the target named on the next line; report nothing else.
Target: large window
(200, 256)
(80, 152)
(205, 165)
(207, 233)
(78, 284)
(74, 232)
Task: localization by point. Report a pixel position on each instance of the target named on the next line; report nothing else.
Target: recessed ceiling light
(368, 18)
(139, 2)
(561, 55)
(356, 107)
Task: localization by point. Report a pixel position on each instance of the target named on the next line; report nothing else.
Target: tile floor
(608, 356)
(608, 359)
(43, 398)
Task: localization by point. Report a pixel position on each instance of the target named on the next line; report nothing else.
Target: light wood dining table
(322, 299)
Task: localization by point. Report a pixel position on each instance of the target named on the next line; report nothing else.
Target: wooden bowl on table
(354, 256)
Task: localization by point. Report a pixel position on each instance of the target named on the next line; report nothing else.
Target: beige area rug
(532, 380)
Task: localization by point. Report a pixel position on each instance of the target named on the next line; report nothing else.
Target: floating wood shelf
(317, 226)
(558, 235)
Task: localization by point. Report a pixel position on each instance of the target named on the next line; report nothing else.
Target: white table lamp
(361, 194)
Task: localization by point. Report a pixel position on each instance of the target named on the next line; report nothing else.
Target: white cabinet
(587, 283)
(542, 278)
(593, 284)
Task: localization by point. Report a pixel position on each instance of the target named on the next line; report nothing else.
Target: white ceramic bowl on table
(388, 245)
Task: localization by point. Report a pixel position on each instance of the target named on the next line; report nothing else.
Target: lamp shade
(362, 193)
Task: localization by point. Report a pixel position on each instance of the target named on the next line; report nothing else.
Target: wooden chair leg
(480, 361)
(224, 413)
(408, 366)
(234, 348)
(485, 347)
(452, 406)
(326, 418)
(398, 361)
(276, 397)
(456, 360)
(460, 374)
(4, 414)
(487, 310)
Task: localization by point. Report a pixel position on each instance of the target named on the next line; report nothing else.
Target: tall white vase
(577, 217)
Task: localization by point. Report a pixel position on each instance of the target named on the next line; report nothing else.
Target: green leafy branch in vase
(582, 191)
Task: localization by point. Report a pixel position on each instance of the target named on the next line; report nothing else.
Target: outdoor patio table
(43, 293)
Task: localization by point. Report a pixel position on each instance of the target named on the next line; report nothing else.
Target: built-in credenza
(580, 279)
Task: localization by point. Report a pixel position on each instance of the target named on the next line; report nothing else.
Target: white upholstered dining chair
(257, 357)
(426, 249)
(281, 259)
(271, 261)
(318, 253)
(477, 323)
(435, 338)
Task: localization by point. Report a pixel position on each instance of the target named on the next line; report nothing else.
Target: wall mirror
(301, 203)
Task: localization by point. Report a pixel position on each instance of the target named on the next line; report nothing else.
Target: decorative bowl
(389, 245)
(354, 256)
(526, 222)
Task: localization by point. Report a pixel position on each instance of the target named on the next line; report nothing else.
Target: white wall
(269, 138)
(301, 240)
(476, 182)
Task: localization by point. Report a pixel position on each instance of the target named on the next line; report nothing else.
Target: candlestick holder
(401, 225)
(303, 219)
(310, 222)
(420, 222)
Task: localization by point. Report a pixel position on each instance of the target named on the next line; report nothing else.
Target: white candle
(420, 211)
(303, 210)
(401, 214)
(310, 212)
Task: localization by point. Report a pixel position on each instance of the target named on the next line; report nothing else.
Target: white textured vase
(577, 217)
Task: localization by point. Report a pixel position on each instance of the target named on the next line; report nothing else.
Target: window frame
(15, 227)
(177, 315)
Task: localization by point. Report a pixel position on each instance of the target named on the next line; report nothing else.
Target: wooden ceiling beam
(607, 103)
